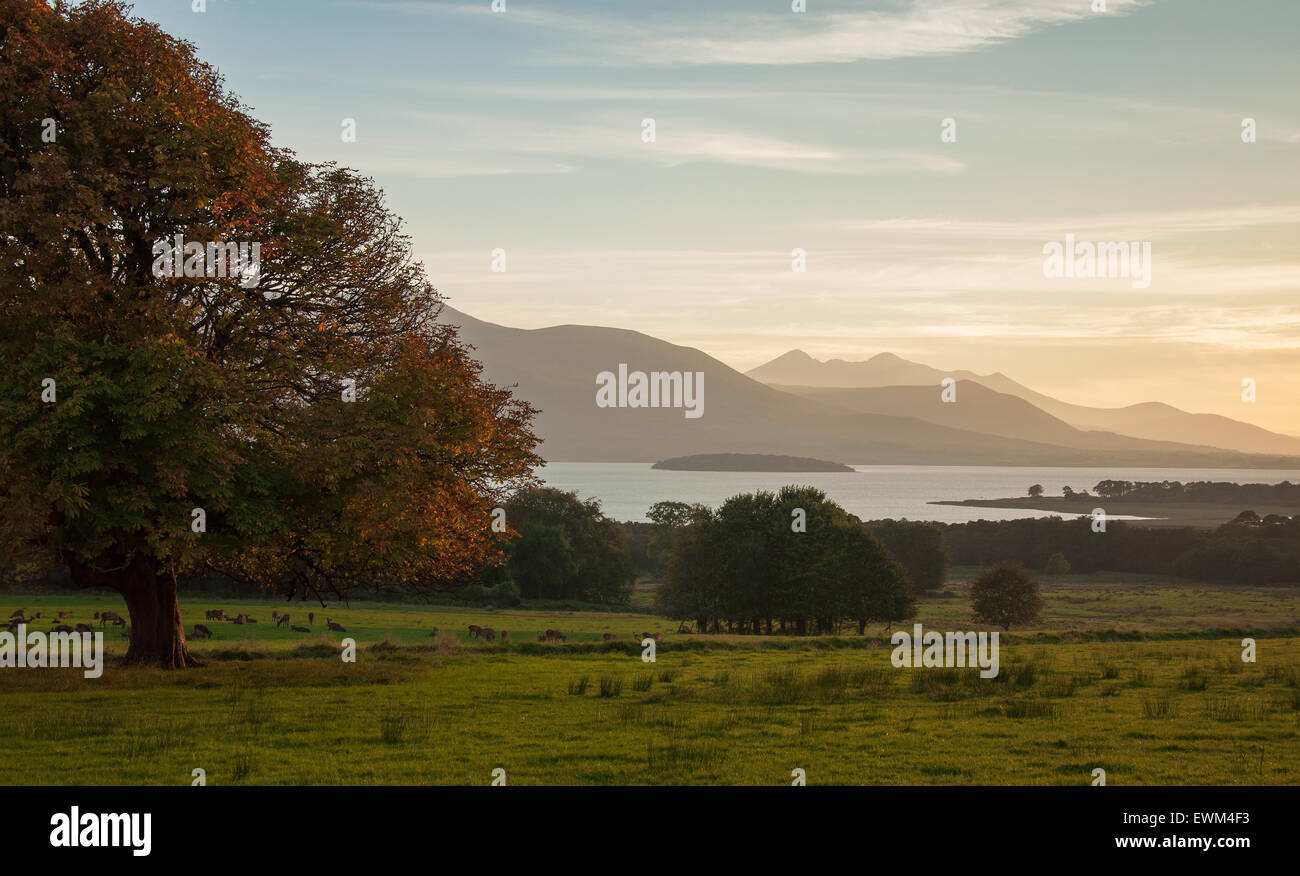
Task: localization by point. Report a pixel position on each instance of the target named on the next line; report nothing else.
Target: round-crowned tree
(1006, 595)
(1057, 564)
(290, 412)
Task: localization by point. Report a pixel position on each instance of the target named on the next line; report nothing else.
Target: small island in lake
(748, 462)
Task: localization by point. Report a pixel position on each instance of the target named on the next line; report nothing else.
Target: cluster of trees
(1244, 552)
(564, 549)
(764, 562)
(1219, 492)
(919, 547)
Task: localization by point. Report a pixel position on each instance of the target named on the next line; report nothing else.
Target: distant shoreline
(1202, 515)
(749, 462)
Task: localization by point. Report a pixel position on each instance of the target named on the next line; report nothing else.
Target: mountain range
(1153, 420)
(884, 411)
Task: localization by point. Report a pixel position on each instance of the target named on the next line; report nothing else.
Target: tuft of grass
(1030, 709)
(393, 726)
(1156, 707)
(610, 686)
(241, 768)
(579, 688)
(1224, 709)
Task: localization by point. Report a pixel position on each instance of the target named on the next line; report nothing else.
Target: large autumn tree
(154, 427)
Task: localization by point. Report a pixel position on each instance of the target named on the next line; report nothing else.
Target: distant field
(1199, 514)
(1175, 704)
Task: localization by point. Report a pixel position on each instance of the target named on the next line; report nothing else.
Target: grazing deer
(475, 631)
(19, 613)
(658, 637)
(238, 620)
(37, 615)
(284, 619)
(62, 628)
(216, 614)
(106, 616)
(85, 628)
(488, 633)
(299, 629)
(201, 632)
(275, 615)
(336, 628)
(64, 614)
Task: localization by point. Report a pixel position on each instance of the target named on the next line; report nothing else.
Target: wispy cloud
(678, 140)
(694, 37)
(1142, 225)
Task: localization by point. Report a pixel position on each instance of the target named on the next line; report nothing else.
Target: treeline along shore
(802, 563)
(1161, 504)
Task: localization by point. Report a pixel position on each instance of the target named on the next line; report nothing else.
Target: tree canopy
(328, 428)
(794, 558)
(1006, 595)
(566, 549)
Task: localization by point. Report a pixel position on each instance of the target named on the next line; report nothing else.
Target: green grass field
(1141, 677)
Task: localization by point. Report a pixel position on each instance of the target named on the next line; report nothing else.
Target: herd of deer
(201, 631)
(658, 637)
(105, 618)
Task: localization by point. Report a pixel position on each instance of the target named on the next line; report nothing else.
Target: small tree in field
(1004, 595)
(1057, 564)
(1035, 491)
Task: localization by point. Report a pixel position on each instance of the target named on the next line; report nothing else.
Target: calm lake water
(626, 490)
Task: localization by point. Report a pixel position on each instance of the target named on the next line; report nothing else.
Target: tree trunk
(157, 635)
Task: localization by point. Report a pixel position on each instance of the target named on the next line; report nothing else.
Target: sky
(823, 131)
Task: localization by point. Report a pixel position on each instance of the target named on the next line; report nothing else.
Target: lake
(626, 490)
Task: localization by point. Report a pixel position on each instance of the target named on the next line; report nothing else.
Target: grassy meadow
(1141, 677)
